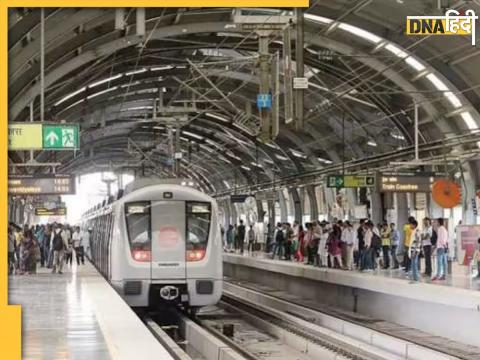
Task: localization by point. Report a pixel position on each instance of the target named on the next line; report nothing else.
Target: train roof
(143, 182)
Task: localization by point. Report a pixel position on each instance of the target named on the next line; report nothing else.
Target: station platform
(78, 316)
(383, 294)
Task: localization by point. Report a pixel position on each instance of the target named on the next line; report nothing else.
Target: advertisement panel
(467, 240)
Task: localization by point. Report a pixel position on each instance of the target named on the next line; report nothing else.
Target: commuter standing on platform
(334, 247)
(67, 238)
(251, 239)
(289, 241)
(235, 237)
(367, 255)
(299, 255)
(414, 250)
(310, 248)
(59, 245)
(348, 239)
(376, 245)
(77, 238)
(320, 236)
(361, 243)
(295, 237)
(442, 249)
(395, 241)
(47, 244)
(279, 242)
(11, 250)
(230, 238)
(427, 245)
(241, 236)
(386, 243)
(29, 262)
(41, 239)
(407, 240)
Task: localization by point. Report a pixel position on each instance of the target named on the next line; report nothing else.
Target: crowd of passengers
(363, 246)
(51, 246)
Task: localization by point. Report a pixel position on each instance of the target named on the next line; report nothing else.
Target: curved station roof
(124, 84)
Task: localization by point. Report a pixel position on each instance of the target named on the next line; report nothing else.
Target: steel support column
(297, 205)
(310, 192)
(300, 69)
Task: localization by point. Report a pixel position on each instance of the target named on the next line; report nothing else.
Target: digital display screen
(41, 184)
(141, 208)
(198, 208)
(51, 212)
(406, 183)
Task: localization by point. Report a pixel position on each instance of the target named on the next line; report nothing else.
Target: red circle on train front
(168, 236)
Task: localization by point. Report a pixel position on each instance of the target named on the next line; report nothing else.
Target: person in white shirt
(321, 232)
(77, 238)
(426, 236)
(442, 250)
(348, 238)
(367, 263)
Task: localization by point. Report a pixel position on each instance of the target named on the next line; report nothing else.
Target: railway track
(388, 341)
(241, 328)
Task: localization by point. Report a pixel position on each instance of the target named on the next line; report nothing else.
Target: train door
(168, 240)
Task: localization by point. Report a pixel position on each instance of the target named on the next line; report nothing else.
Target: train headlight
(195, 255)
(141, 255)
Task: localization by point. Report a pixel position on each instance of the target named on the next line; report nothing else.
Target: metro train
(159, 243)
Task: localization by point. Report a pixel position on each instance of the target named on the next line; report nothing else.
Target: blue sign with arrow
(264, 101)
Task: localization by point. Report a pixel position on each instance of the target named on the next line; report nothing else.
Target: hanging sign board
(57, 184)
(402, 183)
(300, 83)
(25, 137)
(264, 101)
(238, 198)
(62, 211)
(35, 136)
(266, 196)
(350, 181)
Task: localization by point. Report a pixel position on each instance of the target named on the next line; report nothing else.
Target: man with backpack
(59, 247)
(279, 241)
(241, 236)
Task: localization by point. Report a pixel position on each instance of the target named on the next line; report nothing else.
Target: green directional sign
(335, 181)
(61, 137)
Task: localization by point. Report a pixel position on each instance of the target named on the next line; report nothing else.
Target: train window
(198, 227)
(137, 215)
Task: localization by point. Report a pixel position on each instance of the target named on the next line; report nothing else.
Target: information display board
(51, 212)
(350, 181)
(55, 184)
(406, 183)
(238, 198)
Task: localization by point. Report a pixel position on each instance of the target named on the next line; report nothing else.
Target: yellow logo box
(431, 26)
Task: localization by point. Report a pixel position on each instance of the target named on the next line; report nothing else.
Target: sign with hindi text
(42, 136)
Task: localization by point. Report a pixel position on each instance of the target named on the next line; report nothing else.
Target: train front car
(167, 248)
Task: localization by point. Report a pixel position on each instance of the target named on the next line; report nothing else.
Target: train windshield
(137, 215)
(198, 225)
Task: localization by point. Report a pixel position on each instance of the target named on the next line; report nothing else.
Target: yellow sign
(25, 137)
(453, 23)
(353, 181)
